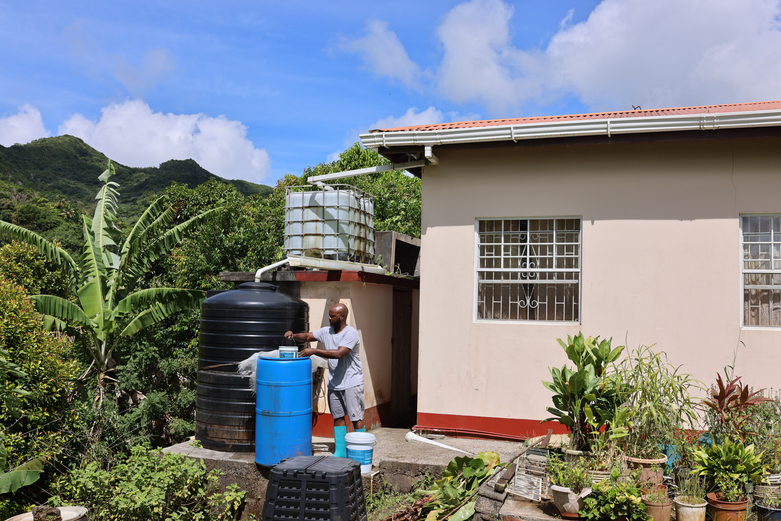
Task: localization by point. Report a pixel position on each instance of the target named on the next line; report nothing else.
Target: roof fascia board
(572, 128)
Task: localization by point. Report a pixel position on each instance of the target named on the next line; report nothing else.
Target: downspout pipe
(270, 267)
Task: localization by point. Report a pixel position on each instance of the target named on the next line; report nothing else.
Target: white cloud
(155, 65)
(651, 53)
(480, 62)
(670, 53)
(384, 54)
(22, 127)
(134, 135)
(333, 156)
(411, 118)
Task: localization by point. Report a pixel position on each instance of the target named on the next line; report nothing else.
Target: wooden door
(402, 409)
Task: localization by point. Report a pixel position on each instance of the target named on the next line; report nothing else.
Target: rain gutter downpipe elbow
(270, 267)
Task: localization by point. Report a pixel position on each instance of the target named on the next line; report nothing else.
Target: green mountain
(46, 185)
(66, 168)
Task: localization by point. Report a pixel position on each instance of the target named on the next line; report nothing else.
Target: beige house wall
(661, 263)
(371, 313)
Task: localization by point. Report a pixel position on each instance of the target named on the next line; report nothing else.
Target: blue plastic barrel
(283, 409)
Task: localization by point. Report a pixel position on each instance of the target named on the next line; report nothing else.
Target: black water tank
(234, 325)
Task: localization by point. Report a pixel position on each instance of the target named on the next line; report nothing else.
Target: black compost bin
(234, 325)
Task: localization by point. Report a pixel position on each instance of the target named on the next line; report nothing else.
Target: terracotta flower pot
(647, 474)
(726, 510)
(657, 511)
(567, 501)
(685, 511)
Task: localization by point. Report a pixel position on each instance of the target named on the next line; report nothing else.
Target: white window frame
(578, 271)
(774, 270)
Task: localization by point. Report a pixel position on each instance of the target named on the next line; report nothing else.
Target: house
(649, 226)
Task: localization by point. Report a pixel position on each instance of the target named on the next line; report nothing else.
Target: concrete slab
(397, 463)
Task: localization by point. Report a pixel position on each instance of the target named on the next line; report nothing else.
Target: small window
(528, 269)
(761, 270)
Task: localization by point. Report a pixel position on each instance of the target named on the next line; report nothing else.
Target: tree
(107, 305)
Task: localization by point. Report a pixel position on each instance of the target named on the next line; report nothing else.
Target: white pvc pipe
(270, 267)
(412, 436)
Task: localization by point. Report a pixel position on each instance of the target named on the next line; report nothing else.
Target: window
(528, 269)
(761, 270)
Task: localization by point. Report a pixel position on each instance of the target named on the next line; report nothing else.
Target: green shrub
(149, 486)
(50, 380)
(613, 499)
(21, 263)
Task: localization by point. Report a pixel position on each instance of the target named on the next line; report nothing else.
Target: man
(345, 382)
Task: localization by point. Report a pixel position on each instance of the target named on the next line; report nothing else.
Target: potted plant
(769, 509)
(690, 504)
(606, 456)
(657, 505)
(730, 466)
(570, 485)
(584, 398)
(657, 395)
(762, 428)
(616, 498)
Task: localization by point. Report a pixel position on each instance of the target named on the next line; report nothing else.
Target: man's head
(337, 316)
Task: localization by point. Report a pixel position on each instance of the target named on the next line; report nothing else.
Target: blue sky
(256, 90)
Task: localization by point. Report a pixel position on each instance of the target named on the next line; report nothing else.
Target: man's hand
(307, 352)
(289, 334)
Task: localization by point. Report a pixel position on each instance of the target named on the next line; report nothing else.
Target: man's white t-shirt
(345, 372)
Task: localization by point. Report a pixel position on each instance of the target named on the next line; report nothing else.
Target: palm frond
(151, 222)
(161, 302)
(105, 211)
(177, 299)
(61, 310)
(49, 250)
(92, 288)
(139, 263)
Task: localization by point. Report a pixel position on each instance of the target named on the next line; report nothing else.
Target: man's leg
(336, 404)
(354, 403)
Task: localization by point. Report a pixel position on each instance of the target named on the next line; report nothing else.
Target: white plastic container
(288, 352)
(360, 447)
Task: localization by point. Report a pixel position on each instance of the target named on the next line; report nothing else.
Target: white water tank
(336, 223)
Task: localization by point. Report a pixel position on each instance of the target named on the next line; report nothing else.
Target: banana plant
(107, 306)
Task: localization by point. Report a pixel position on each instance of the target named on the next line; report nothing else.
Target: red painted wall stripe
(485, 426)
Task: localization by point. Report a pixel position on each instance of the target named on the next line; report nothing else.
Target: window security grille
(761, 270)
(529, 269)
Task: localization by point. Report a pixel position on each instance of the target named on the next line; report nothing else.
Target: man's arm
(337, 353)
(301, 337)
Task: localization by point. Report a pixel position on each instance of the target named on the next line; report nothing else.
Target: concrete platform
(397, 463)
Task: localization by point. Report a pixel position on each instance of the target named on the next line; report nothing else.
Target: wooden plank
(505, 478)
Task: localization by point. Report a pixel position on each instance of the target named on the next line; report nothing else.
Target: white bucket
(360, 447)
(288, 352)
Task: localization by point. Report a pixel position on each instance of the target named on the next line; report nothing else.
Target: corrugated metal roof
(704, 109)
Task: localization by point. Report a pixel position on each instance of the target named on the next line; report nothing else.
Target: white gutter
(573, 128)
(270, 267)
(318, 179)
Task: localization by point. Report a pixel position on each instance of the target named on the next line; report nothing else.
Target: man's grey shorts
(350, 400)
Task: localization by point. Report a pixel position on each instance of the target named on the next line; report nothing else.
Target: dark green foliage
(244, 236)
(41, 423)
(614, 499)
(149, 486)
(156, 378)
(22, 264)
